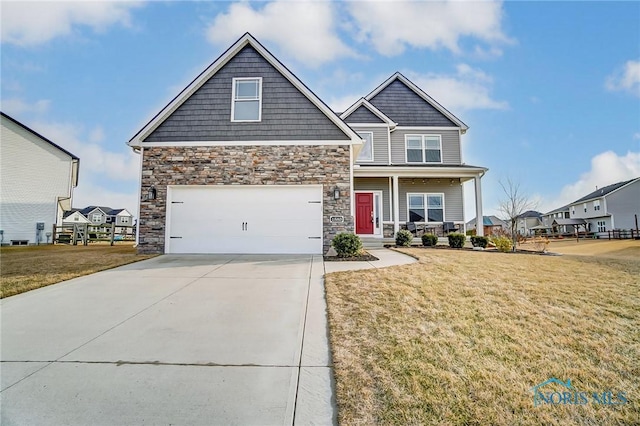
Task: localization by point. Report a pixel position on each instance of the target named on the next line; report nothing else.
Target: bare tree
(514, 203)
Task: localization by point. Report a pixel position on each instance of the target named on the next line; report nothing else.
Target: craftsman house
(37, 178)
(247, 159)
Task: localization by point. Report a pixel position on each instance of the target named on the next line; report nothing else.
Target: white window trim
(424, 147)
(233, 99)
(426, 205)
(372, 153)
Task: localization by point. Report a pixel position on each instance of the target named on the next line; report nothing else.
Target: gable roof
(13, 120)
(246, 40)
(605, 191)
(530, 213)
(363, 103)
(558, 210)
(398, 77)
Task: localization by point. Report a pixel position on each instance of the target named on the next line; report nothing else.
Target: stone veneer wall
(244, 165)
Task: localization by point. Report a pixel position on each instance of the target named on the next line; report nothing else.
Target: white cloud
(606, 168)
(304, 30)
(29, 23)
(391, 27)
(467, 89)
(107, 177)
(17, 106)
(96, 162)
(626, 79)
(340, 104)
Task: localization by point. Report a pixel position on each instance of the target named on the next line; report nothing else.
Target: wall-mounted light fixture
(336, 193)
(151, 194)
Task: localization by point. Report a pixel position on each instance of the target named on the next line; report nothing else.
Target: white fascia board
(359, 141)
(420, 93)
(245, 40)
(124, 212)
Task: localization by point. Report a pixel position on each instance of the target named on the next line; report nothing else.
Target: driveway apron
(192, 339)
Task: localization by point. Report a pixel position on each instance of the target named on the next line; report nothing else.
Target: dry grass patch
(461, 337)
(27, 268)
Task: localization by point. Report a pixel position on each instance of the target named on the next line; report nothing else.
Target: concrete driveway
(191, 340)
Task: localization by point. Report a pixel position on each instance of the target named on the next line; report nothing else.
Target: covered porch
(388, 198)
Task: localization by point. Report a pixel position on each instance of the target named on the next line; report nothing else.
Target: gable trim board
(246, 40)
(399, 77)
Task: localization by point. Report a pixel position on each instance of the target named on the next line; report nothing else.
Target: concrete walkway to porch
(386, 258)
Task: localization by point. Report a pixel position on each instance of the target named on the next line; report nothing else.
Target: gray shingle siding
(450, 145)
(405, 107)
(363, 115)
(380, 144)
(287, 114)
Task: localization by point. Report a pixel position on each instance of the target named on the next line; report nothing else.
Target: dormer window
(246, 99)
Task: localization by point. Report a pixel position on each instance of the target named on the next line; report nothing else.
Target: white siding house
(37, 178)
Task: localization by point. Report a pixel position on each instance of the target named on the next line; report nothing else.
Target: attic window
(246, 104)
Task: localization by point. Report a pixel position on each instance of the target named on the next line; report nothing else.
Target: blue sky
(550, 91)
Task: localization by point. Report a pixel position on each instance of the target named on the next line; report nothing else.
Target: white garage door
(244, 219)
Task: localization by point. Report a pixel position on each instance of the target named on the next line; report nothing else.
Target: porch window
(416, 208)
(366, 153)
(602, 226)
(423, 148)
(246, 104)
(429, 206)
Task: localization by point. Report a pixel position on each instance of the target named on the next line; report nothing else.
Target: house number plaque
(336, 219)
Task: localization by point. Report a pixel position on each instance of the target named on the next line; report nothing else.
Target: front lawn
(27, 268)
(461, 338)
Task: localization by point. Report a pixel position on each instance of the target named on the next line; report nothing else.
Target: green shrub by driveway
(347, 245)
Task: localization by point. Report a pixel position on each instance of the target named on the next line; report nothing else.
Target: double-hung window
(425, 207)
(246, 99)
(423, 148)
(596, 205)
(366, 153)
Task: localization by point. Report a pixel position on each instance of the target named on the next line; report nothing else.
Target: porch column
(396, 205)
(479, 218)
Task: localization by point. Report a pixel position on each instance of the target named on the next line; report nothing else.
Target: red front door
(364, 213)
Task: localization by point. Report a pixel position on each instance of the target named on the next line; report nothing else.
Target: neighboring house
(492, 225)
(246, 159)
(73, 216)
(100, 218)
(37, 178)
(556, 222)
(611, 207)
(528, 222)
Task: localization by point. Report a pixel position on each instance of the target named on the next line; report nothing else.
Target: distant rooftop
(604, 190)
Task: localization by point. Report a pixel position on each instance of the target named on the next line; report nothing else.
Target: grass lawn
(27, 268)
(461, 338)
